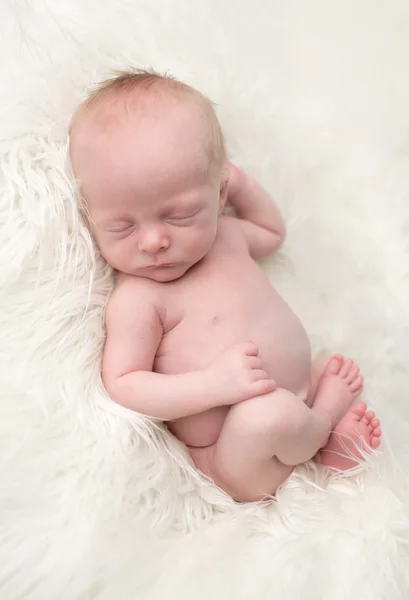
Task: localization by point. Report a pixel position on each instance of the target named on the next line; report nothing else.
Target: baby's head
(149, 156)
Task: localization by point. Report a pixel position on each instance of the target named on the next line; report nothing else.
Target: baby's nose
(152, 240)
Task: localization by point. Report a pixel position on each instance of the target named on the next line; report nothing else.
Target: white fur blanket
(95, 503)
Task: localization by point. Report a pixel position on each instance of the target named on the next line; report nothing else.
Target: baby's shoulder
(129, 292)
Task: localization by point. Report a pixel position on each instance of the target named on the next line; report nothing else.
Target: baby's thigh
(261, 416)
(244, 457)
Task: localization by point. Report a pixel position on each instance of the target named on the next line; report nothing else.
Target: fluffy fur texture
(99, 503)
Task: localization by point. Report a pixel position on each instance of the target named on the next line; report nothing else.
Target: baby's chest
(218, 295)
(208, 317)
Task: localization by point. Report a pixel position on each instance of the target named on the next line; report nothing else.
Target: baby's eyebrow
(178, 207)
(183, 205)
(113, 222)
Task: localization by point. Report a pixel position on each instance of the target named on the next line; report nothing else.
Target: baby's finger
(263, 386)
(258, 374)
(254, 362)
(250, 349)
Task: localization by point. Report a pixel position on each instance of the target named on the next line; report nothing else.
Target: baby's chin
(163, 274)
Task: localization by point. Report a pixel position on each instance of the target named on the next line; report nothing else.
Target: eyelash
(184, 218)
(172, 219)
(169, 220)
(122, 229)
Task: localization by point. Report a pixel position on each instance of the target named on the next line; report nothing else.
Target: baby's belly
(199, 339)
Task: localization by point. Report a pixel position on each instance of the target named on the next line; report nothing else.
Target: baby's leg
(317, 370)
(261, 441)
(264, 438)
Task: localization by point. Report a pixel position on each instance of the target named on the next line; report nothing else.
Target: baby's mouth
(159, 266)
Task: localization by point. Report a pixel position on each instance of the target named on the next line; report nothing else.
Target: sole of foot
(358, 430)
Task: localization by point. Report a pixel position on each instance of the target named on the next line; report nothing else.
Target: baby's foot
(338, 387)
(359, 429)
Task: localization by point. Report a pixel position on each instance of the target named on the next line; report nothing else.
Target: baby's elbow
(272, 243)
(114, 388)
(279, 239)
(125, 389)
(265, 247)
(280, 233)
(273, 238)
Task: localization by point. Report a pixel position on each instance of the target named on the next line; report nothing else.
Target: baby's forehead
(148, 110)
(119, 124)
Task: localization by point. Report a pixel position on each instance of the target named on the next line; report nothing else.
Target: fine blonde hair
(126, 85)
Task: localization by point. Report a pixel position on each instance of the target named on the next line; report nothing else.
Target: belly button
(215, 320)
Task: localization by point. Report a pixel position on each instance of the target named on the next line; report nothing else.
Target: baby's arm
(134, 332)
(259, 217)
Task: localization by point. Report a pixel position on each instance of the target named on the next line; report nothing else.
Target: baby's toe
(346, 368)
(334, 365)
(374, 423)
(358, 409)
(377, 432)
(353, 374)
(369, 415)
(375, 442)
(356, 385)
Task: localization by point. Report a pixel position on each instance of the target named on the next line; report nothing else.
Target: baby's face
(158, 235)
(153, 203)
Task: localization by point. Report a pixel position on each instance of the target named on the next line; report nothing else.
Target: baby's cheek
(200, 241)
(126, 248)
(117, 253)
(193, 238)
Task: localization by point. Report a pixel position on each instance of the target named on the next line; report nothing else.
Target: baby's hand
(238, 375)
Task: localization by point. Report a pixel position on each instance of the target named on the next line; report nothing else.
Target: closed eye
(121, 228)
(180, 217)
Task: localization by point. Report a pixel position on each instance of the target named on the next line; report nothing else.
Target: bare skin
(359, 429)
(196, 335)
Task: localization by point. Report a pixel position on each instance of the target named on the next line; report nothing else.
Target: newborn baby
(196, 335)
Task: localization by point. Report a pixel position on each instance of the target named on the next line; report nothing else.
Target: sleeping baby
(196, 335)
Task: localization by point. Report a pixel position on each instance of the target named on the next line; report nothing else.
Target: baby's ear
(224, 184)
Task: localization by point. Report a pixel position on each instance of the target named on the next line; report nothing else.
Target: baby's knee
(269, 413)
